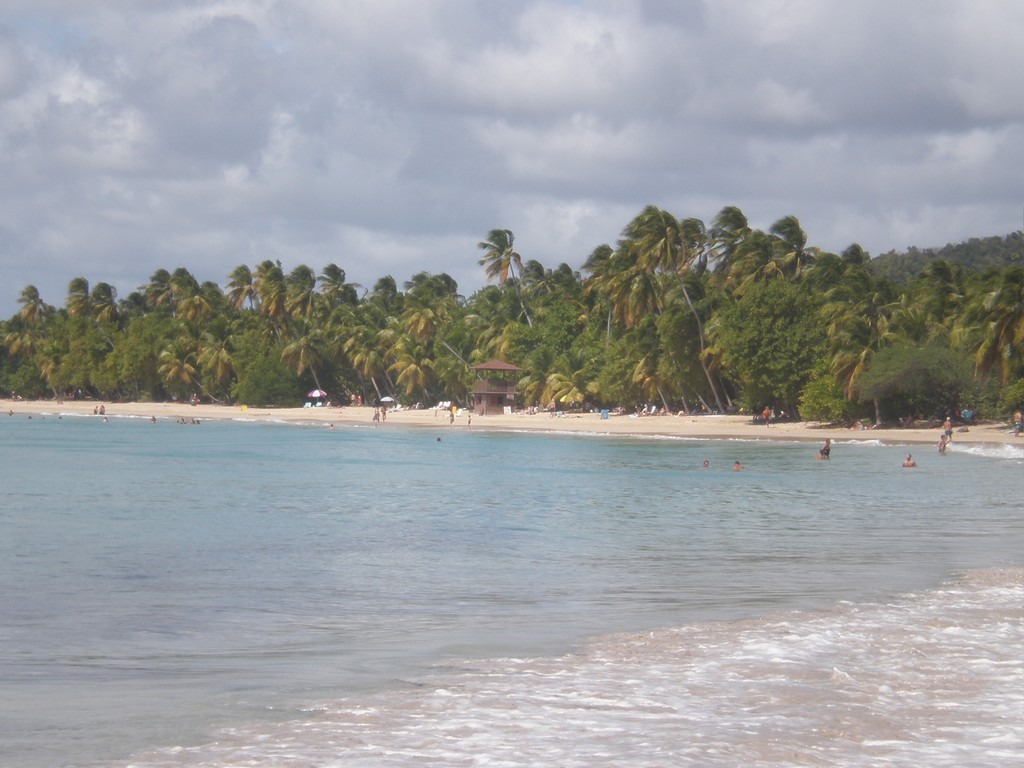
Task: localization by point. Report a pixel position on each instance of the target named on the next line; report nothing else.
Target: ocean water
(267, 594)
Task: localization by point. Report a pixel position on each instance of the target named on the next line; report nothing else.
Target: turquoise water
(161, 583)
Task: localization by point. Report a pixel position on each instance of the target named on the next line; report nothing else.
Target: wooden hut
(495, 388)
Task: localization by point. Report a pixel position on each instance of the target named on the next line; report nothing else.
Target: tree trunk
(664, 402)
(700, 340)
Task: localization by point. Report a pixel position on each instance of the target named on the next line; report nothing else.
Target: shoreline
(703, 427)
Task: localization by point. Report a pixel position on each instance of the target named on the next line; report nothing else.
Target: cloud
(390, 137)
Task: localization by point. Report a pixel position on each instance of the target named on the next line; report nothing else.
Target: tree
(728, 231)
(791, 246)
(33, 309)
(241, 288)
(270, 287)
(923, 381)
(995, 319)
(215, 360)
(662, 245)
(334, 288)
(305, 352)
(501, 261)
(78, 302)
(178, 367)
(262, 378)
(412, 366)
(158, 291)
(189, 301)
(856, 315)
(302, 298)
(771, 339)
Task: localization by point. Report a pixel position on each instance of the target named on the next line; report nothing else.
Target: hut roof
(495, 365)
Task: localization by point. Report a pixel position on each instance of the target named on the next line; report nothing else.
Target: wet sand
(698, 427)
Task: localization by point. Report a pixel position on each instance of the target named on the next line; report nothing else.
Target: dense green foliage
(676, 314)
(974, 254)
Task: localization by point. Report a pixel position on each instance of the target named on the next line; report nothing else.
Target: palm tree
(241, 288)
(728, 231)
(791, 240)
(568, 382)
(414, 369)
(22, 338)
(215, 359)
(857, 315)
(104, 303)
(189, 302)
(363, 349)
(159, 292)
(996, 318)
(755, 259)
(491, 322)
(305, 352)
(25, 330)
(177, 366)
(697, 243)
(33, 309)
(661, 241)
(270, 287)
(940, 292)
(430, 301)
(636, 294)
(78, 302)
(335, 290)
(501, 261)
(302, 299)
(601, 267)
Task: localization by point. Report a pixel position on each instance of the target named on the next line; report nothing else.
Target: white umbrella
(317, 393)
(387, 399)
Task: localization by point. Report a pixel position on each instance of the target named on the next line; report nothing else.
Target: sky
(390, 136)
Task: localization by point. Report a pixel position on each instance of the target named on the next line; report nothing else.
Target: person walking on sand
(1018, 424)
(909, 461)
(947, 428)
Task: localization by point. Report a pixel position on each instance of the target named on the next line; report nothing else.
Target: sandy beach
(698, 427)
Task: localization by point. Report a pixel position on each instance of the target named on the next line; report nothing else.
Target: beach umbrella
(317, 393)
(387, 399)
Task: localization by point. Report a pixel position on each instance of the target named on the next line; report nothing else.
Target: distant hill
(975, 254)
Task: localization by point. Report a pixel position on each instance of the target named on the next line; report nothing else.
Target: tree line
(677, 314)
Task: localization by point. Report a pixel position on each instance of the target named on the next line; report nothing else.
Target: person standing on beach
(765, 414)
(1018, 424)
(947, 428)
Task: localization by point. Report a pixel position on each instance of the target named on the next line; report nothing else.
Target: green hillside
(978, 253)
